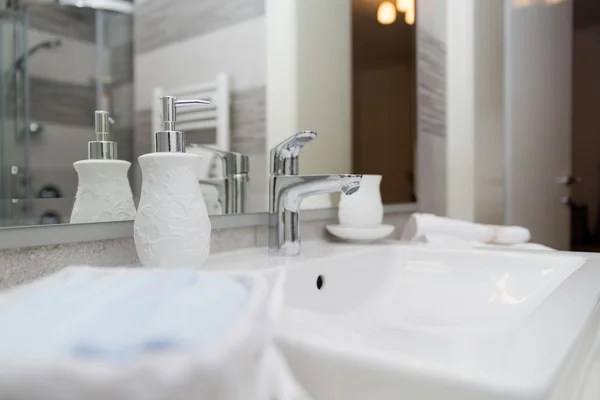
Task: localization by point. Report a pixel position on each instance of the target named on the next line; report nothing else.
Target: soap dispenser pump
(103, 190)
(172, 227)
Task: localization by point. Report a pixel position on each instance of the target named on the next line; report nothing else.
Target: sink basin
(429, 290)
(405, 321)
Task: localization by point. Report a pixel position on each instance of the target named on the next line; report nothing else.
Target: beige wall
(489, 115)
(430, 166)
(460, 136)
(309, 79)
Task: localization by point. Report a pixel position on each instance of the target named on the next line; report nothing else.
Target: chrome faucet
(233, 185)
(287, 189)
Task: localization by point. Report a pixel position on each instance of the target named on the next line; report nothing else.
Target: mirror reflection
(60, 63)
(83, 96)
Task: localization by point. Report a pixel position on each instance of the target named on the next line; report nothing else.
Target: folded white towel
(118, 333)
(117, 317)
(420, 225)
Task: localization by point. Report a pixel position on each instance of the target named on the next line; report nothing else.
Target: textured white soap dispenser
(171, 228)
(103, 191)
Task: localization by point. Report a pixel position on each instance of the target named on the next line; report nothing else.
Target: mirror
(270, 68)
(59, 64)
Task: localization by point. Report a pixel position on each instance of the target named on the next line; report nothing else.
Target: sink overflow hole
(320, 282)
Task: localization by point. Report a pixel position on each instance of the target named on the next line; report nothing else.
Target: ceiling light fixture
(386, 13)
(403, 5)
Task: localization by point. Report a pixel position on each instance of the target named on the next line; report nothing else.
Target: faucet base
(286, 194)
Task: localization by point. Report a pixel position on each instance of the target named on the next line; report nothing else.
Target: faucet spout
(287, 193)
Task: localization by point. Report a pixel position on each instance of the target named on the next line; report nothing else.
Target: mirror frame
(46, 235)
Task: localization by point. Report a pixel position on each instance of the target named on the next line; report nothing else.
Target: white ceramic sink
(403, 321)
(430, 290)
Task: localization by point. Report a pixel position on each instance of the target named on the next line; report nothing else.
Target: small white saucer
(360, 234)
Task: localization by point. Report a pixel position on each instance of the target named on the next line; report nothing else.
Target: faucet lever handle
(284, 156)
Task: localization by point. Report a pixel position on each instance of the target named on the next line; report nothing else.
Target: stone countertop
(23, 265)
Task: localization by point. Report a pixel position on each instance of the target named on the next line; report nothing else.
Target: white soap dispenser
(103, 191)
(171, 228)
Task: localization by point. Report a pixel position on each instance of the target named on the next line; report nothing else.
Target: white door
(538, 42)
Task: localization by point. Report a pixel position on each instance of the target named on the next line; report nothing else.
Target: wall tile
(161, 22)
(121, 106)
(431, 167)
(142, 133)
(431, 98)
(142, 144)
(77, 23)
(238, 50)
(248, 145)
(74, 61)
(431, 63)
(121, 64)
(62, 102)
(248, 113)
(119, 29)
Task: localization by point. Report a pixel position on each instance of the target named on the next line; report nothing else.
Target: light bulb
(409, 17)
(403, 5)
(521, 3)
(386, 13)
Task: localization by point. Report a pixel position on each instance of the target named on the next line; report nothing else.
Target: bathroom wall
(431, 182)
(309, 50)
(460, 157)
(63, 97)
(461, 115)
(489, 113)
(183, 42)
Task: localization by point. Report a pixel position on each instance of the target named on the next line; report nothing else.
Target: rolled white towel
(457, 243)
(420, 225)
(523, 246)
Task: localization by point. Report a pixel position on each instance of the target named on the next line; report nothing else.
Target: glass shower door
(11, 119)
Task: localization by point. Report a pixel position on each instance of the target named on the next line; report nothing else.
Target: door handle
(568, 180)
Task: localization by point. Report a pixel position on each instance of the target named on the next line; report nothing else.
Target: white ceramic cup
(364, 208)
